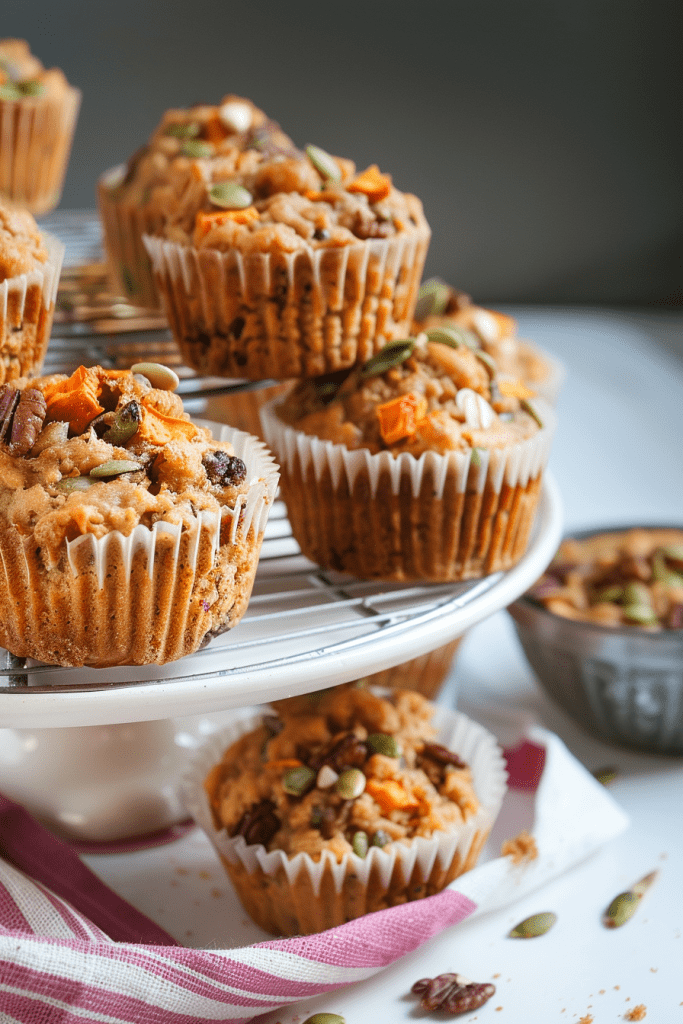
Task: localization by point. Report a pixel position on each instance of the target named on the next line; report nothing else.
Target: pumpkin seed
(32, 87)
(674, 553)
(532, 927)
(621, 909)
(74, 483)
(10, 91)
(197, 150)
(383, 743)
(611, 595)
(432, 298)
(230, 195)
(393, 354)
(663, 572)
(528, 407)
(350, 784)
(184, 130)
(637, 594)
(125, 425)
(298, 781)
(159, 376)
(605, 775)
(446, 335)
(359, 844)
(381, 838)
(115, 467)
(488, 362)
(325, 1018)
(642, 614)
(323, 163)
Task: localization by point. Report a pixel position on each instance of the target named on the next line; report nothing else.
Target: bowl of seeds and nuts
(603, 631)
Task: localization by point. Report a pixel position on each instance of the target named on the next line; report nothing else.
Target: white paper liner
(45, 276)
(478, 748)
(515, 465)
(35, 142)
(252, 509)
(362, 295)
(123, 225)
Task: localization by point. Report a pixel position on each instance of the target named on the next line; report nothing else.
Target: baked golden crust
(21, 244)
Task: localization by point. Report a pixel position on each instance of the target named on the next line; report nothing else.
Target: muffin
(38, 111)
(30, 263)
(128, 534)
(626, 578)
(426, 674)
(344, 802)
(414, 466)
(271, 262)
(441, 306)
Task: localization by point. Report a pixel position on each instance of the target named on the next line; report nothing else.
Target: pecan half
(259, 824)
(347, 752)
(453, 993)
(442, 755)
(27, 422)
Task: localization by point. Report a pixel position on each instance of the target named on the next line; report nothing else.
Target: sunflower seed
(159, 376)
(532, 927)
(324, 164)
(326, 777)
(230, 195)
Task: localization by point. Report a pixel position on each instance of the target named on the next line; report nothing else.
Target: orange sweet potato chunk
(390, 795)
(205, 221)
(372, 183)
(74, 400)
(159, 429)
(401, 416)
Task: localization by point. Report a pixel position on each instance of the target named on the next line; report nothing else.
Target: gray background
(544, 137)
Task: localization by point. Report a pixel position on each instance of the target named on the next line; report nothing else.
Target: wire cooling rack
(304, 627)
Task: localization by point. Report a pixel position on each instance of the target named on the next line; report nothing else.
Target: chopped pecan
(259, 824)
(442, 755)
(453, 993)
(347, 752)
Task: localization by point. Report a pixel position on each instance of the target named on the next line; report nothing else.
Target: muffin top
(416, 396)
(440, 305)
(22, 76)
(630, 578)
(227, 176)
(21, 244)
(104, 450)
(341, 770)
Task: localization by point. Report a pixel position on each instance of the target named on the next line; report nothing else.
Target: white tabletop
(618, 459)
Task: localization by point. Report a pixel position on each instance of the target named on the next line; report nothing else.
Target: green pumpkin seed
(642, 614)
(32, 87)
(662, 572)
(532, 927)
(446, 335)
(125, 425)
(298, 781)
(359, 844)
(74, 483)
(637, 593)
(197, 150)
(432, 298)
(10, 91)
(488, 362)
(383, 743)
(185, 130)
(159, 376)
(324, 164)
(325, 1018)
(674, 553)
(350, 784)
(393, 354)
(611, 595)
(381, 838)
(528, 407)
(115, 467)
(605, 775)
(621, 909)
(230, 195)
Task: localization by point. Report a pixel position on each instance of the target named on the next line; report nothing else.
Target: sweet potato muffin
(346, 801)
(441, 306)
(127, 533)
(419, 465)
(272, 261)
(30, 262)
(38, 111)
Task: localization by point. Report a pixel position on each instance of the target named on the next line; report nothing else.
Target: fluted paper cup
(146, 598)
(123, 225)
(289, 895)
(437, 518)
(425, 674)
(27, 307)
(36, 133)
(283, 314)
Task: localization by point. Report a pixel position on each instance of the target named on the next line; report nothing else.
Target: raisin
(223, 469)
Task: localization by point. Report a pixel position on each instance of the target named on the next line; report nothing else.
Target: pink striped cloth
(71, 950)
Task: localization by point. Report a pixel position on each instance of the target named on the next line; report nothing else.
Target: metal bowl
(622, 683)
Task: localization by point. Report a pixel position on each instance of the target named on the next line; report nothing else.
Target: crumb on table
(638, 1012)
(521, 848)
